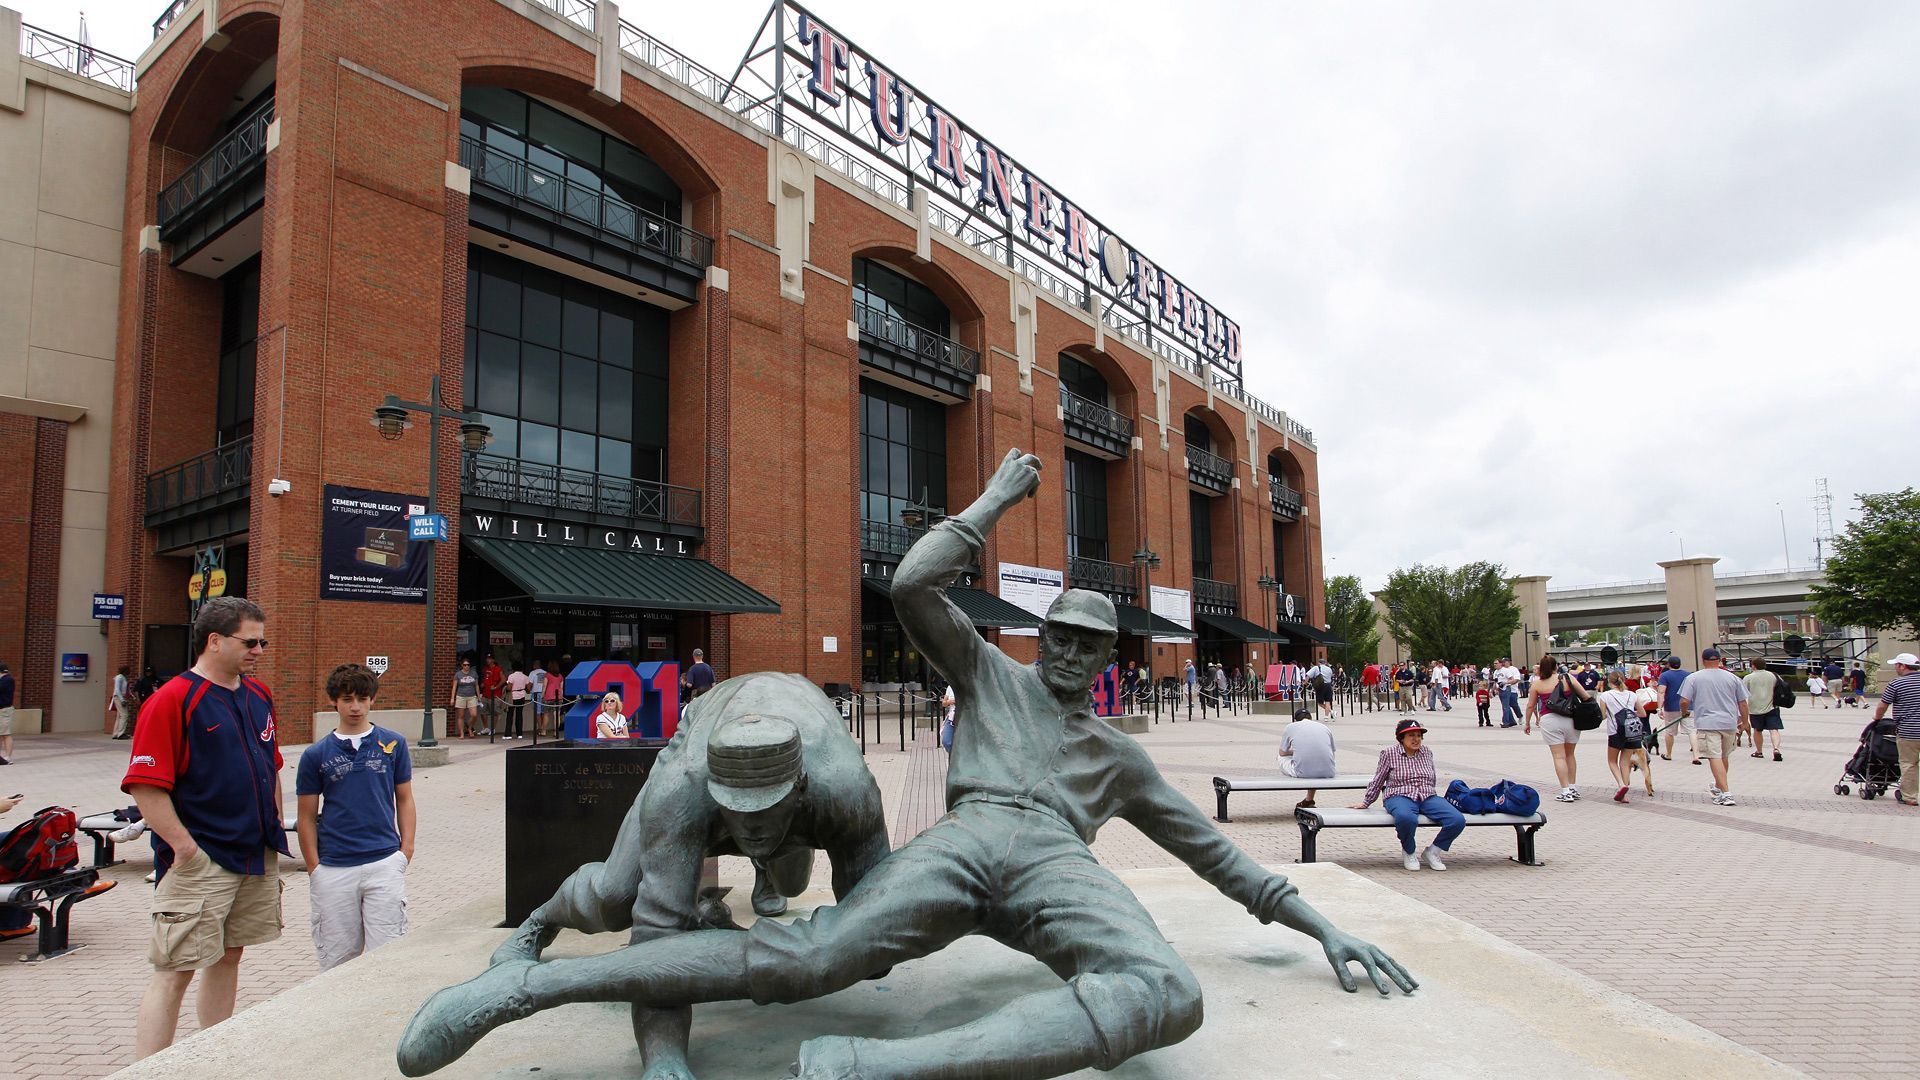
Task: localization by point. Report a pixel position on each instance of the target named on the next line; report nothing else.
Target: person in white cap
(1902, 695)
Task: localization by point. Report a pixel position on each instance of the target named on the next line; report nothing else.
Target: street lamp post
(390, 418)
(1268, 585)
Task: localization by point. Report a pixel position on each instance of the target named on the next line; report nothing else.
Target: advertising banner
(1031, 589)
(1173, 605)
(364, 550)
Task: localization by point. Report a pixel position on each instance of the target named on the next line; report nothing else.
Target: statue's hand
(1017, 477)
(1343, 949)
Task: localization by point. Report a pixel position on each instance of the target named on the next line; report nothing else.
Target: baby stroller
(1876, 765)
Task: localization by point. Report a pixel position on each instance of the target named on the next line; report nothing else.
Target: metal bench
(1313, 819)
(98, 826)
(1226, 785)
(50, 899)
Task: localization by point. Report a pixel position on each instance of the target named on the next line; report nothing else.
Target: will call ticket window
(565, 373)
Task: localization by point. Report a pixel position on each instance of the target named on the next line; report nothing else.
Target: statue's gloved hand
(1344, 949)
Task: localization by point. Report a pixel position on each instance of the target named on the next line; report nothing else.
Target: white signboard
(1031, 589)
(1173, 605)
(378, 665)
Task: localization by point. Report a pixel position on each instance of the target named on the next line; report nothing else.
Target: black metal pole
(433, 487)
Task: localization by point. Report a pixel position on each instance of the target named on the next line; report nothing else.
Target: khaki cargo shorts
(1718, 743)
(202, 909)
(6, 720)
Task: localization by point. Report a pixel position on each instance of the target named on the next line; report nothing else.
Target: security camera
(277, 488)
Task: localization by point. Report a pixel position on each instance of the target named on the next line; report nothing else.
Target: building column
(719, 423)
(1389, 651)
(1692, 601)
(1534, 638)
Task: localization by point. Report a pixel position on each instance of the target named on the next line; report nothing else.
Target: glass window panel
(897, 423)
(899, 474)
(616, 402)
(579, 386)
(539, 443)
(472, 354)
(496, 106)
(1197, 434)
(499, 382)
(243, 382)
(616, 457)
(539, 384)
(473, 284)
(873, 415)
(577, 450)
(499, 304)
(469, 128)
(540, 307)
(582, 333)
(616, 338)
(650, 410)
(873, 466)
(564, 135)
(507, 143)
(650, 463)
(640, 181)
(505, 436)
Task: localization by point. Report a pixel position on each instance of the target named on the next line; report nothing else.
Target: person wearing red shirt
(205, 772)
(492, 680)
(1370, 679)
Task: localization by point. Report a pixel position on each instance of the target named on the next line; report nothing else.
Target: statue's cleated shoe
(525, 944)
(454, 1019)
(767, 901)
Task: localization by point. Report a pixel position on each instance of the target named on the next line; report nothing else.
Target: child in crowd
(1817, 690)
(1482, 700)
(356, 824)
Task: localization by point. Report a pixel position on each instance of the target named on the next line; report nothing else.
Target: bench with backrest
(100, 827)
(50, 899)
(1313, 820)
(1227, 785)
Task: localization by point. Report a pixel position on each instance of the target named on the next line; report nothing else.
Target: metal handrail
(921, 342)
(215, 472)
(580, 13)
(1285, 499)
(1101, 575)
(1218, 593)
(599, 212)
(1210, 465)
(888, 538)
(237, 151)
(1095, 415)
(489, 476)
(166, 18)
(71, 56)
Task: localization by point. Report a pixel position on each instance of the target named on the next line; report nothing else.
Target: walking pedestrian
(1507, 678)
(1856, 684)
(492, 680)
(1716, 700)
(205, 771)
(1627, 724)
(1483, 701)
(517, 685)
(465, 700)
(1550, 699)
(6, 715)
(1370, 684)
(537, 693)
(120, 705)
(1405, 774)
(699, 675)
(1762, 686)
(1902, 695)
(1817, 689)
(1673, 719)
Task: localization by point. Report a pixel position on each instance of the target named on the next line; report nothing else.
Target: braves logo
(267, 735)
(144, 759)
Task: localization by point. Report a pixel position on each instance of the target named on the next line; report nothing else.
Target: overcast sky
(1559, 286)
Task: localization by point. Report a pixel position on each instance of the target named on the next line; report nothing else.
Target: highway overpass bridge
(1769, 593)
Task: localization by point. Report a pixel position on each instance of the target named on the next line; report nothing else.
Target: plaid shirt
(1401, 773)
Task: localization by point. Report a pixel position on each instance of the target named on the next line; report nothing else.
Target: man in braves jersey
(206, 776)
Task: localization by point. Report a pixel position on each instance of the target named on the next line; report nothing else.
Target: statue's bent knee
(1140, 1010)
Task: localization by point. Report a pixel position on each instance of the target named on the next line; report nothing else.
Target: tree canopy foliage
(1873, 576)
(1350, 618)
(1461, 615)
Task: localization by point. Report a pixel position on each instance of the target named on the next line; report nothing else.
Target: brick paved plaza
(1776, 923)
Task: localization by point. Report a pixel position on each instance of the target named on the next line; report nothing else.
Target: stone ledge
(1486, 1007)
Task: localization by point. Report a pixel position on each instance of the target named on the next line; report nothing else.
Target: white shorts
(1558, 730)
(357, 908)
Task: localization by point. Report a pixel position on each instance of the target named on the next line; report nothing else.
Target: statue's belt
(1022, 802)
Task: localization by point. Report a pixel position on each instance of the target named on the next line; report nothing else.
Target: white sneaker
(1575, 789)
(152, 875)
(1725, 798)
(1411, 861)
(131, 832)
(1566, 795)
(1433, 858)
(1714, 790)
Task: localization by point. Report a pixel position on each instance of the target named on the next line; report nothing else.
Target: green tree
(1350, 618)
(1461, 615)
(1873, 576)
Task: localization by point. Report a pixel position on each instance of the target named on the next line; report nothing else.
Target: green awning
(1311, 633)
(981, 607)
(555, 574)
(1238, 629)
(1140, 622)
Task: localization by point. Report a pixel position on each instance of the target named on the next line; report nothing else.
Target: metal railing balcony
(216, 478)
(166, 18)
(69, 55)
(510, 480)
(238, 152)
(1094, 423)
(1102, 576)
(1287, 503)
(1209, 470)
(886, 538)
(917, 341)
(596, 213)
(1220, 595)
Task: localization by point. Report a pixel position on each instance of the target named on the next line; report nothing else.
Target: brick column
(126, 639)
(43, 567)
(445, 615)
(716, 500)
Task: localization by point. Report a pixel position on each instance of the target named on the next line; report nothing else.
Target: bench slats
(1313, 819)
(1225, 785)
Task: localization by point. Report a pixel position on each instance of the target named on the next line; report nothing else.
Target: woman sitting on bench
(1406, 775)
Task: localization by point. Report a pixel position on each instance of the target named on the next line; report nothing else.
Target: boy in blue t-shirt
(357, 851)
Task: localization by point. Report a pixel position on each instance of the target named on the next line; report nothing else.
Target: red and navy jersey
(214, 750)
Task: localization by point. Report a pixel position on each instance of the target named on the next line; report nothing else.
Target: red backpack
(40, 846)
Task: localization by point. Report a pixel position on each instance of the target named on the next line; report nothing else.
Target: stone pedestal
(1485, 1007)
(1131, 723)
(565, 803)
(1273, 708)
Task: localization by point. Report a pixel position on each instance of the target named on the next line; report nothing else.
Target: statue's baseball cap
(753, 761)
(1086, 609)
(1905, 659)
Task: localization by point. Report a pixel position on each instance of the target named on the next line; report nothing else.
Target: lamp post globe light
(391, 419)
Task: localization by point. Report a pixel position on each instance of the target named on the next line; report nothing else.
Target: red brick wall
(40, 665)
(363, 294)
(16, 536)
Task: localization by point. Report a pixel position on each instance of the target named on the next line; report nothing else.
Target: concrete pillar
(1533, 638)
(1692, 602)
(1389, 645)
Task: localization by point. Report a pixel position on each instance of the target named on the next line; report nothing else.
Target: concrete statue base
(1274, 708)
(1484, 1008)
(1131, 723)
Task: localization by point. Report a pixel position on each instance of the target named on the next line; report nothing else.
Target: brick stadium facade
(386, 178)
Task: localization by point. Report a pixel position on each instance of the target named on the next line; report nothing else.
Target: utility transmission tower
(1822, 522)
